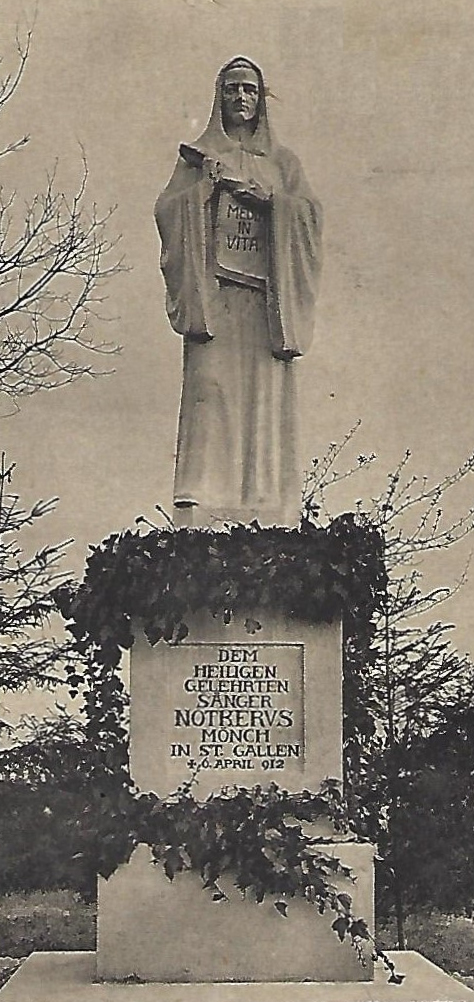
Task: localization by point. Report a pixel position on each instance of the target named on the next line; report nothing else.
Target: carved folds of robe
(241, 280)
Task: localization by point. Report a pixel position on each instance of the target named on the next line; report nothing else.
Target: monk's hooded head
(239, 108)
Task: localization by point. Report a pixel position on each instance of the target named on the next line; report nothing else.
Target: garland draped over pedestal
(161, 578)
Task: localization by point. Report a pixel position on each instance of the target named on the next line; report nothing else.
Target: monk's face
(239, 95)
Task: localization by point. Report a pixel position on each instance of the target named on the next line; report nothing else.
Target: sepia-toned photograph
(236, 500)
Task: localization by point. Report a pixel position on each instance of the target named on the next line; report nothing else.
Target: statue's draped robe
(238, 455)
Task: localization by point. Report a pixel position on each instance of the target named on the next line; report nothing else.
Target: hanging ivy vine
(257, 836)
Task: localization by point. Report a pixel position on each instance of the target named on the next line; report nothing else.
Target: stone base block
(70, 977)
(174, 932)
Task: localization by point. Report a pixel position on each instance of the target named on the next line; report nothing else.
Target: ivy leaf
(273, 833)
(396, 979)
(346, 902)
(153, 633)
(282, 908)
(252, 626)
(341, 925)
(359, 928)
(173, 864)
(181, 633)
(259, 894)
(219, 896)
(168, 630)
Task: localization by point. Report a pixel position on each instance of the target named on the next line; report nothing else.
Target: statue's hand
(201, 337)
(286, 354)
(256, 190)
(212, 170)
(253, 190)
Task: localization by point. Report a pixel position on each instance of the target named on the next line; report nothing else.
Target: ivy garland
(160, 579)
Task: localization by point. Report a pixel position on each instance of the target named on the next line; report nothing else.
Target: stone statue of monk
(241, 255)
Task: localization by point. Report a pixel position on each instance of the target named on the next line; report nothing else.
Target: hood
(215, 139)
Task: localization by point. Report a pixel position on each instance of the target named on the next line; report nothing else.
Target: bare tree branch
(27, 604)
(10, 83)
(409, 655)
(55, 260)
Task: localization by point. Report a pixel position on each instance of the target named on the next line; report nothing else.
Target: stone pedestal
(164, 932)
(250, 709)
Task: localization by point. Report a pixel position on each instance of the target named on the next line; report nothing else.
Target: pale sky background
(377, 100)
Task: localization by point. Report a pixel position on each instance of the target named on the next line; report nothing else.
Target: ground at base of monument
(68, 977)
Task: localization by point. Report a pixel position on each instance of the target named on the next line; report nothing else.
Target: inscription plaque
(241, 242)
(237, 706)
